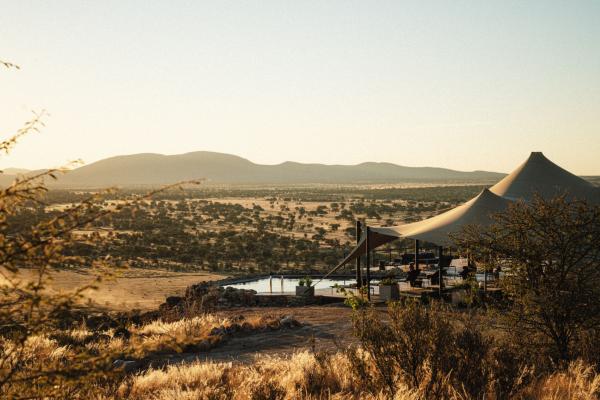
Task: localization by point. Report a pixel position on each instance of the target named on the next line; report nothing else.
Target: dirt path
(324, 328)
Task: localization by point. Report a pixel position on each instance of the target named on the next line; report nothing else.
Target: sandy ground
(324, 328)
(143, 289)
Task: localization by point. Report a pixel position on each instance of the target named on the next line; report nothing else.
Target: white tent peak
(539, 175)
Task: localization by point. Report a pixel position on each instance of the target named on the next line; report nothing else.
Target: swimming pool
(278, 284)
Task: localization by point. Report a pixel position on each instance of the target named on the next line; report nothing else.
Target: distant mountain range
(219, 168)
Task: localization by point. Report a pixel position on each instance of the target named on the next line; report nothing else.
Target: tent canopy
(537, 175)
(437, 230)
(477, 211)
(540, 175)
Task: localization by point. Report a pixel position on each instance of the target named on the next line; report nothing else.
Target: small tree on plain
(551, 250)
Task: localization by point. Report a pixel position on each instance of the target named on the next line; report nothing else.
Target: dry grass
(159, 336)
(302, 375)
(306, 375)
(205, 331)
(35, 349)
(578, 382)
(155, 337)
(349, 374)
(185, 327)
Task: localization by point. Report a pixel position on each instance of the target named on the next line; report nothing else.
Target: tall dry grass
(35, 349)
(578, 382)
(155, 336)
(168, 336)
(303, 375)
(348, 374)
(115, 351)
(306, 375)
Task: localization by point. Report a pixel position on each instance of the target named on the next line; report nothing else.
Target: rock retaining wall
(207, 296)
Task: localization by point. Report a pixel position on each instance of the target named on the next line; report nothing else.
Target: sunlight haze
(461, 85)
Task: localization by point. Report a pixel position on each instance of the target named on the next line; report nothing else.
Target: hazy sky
(459, 84)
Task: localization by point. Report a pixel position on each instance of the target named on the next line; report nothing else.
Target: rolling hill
(159, 169)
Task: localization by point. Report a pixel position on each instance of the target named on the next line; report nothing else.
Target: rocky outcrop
(210, 296)
(205, 297)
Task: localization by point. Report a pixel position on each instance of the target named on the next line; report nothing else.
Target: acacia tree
(29, 312)
(26, 308)
(551, 249)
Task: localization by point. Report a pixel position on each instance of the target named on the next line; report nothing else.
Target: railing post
(368, 248)
(416, 254)
(440, 269)
(358, 269)
(485, 268)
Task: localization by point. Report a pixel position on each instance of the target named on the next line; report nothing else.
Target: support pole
(368, 248)
(440, 269)
(358, 269)
(485, 268)
(416, 254)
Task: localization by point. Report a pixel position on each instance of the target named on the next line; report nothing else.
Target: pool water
(286, 285)
(277, 284)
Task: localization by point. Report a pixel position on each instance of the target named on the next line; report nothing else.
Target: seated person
(435, 278)
(412, 274)
(497, 271)
(465, 273)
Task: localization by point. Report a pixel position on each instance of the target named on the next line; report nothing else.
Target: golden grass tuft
(302, 375)
(196, 379)
(36, 349)
(306, 375)
(185, 327)
(156, 336)
(578, 382)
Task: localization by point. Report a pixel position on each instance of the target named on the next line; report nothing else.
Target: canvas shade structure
(436, 230)
(538, 175)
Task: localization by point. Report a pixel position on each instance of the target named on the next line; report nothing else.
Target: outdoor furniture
(389, 292)
(308, 291)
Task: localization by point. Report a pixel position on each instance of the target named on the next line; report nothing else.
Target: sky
(468, 85)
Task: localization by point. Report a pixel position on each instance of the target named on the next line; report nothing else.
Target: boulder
(247, 327)
(126, 365)
(101, 322)
(288, 322)
(218, 331)
(173, 301)
(122, 332)
(13, 331)
(97, 337)
(233, 328)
